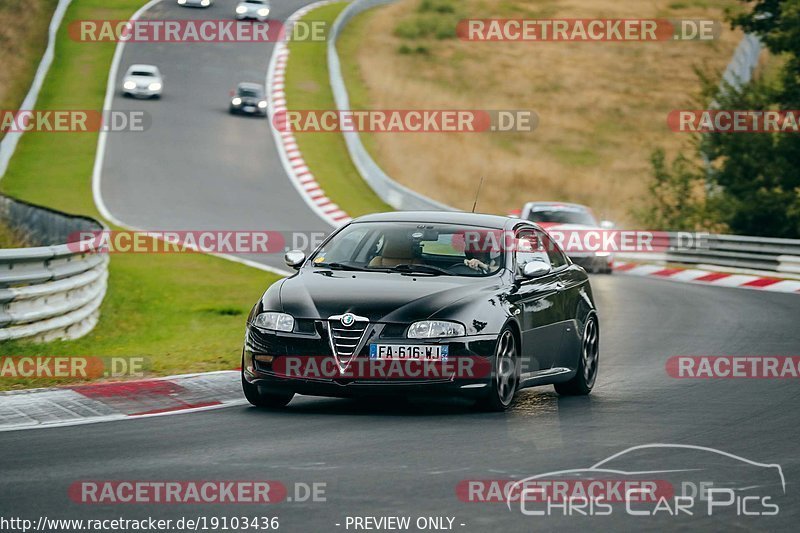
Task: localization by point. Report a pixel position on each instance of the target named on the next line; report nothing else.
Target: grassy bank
(602, 106)
(182, 312)
(308, 87)
(23, 39)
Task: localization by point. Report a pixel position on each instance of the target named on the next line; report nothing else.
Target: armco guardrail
(386, 188)
(732, 251)
(50, 291)
(744, 61)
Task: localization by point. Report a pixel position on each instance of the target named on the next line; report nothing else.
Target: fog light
(264, 358)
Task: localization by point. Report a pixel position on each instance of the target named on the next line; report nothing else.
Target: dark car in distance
(485, 304)
(249, 99)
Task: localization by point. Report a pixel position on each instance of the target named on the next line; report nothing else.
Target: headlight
(130, 85)
(236, 101)
(205, 3)
(274, 321)
(241, 10)
(154, 86)
(431, 329)
(263, 12)
(181, 2)
(262, 104)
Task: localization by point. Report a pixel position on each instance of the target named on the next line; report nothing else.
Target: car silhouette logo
(348, 319)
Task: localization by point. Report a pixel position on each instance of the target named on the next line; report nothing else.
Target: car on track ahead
(143, 81)
(418, 303)
(195, 3)
(249, 98)
(572, 218)
(253, 9)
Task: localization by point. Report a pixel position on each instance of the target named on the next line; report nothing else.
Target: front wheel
(264, 399)
(505, 374)
(586, 374)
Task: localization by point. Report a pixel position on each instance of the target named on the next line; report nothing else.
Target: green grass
(183, 312)
(308, 87)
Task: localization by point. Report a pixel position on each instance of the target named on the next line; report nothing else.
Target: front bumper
(140, 92)
(472, 356)
(249, 110)
(251, 16)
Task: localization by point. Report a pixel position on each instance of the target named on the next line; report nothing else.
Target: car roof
(531, 205)
(443, 217)
(148, 68)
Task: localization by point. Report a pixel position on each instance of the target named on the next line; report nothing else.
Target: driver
(480, 261)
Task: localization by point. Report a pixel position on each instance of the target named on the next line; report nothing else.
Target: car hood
(378, 296)
(143, 80)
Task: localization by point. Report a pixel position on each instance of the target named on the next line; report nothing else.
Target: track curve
(197, 167)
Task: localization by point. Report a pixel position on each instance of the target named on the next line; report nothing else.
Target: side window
(557, 257)
(529, 248)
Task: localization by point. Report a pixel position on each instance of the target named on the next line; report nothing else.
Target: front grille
(346, 340)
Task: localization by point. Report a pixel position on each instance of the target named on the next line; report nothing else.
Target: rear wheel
(259, 398)
(505, 374)
(586, 373)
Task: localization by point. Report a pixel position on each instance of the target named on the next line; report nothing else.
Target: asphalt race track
(408, 459)
(200, 168)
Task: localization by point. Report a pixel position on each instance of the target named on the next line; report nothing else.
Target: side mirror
(294, 258)
(535, 269)
(607, 224)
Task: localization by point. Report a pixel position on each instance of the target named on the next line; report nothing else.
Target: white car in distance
(143, 81)
(253, 9)
(195, 3)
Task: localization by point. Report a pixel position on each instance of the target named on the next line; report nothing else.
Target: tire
(588, 360)
(259, 398)
(505, 374)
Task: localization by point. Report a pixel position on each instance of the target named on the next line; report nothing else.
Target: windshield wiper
(423, 269)
(340, 266)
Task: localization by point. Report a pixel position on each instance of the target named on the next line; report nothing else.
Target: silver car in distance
(253, 9)
(143, 81)
(195, 3)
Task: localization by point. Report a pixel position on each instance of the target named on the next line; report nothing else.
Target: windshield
(141, 73)
(562, 215)
(260, 2)
(434, 249)
(250, 93)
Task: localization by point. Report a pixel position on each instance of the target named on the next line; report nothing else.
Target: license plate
(413, 352)
(249, 108)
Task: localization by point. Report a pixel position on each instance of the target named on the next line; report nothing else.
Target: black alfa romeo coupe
(418, 303)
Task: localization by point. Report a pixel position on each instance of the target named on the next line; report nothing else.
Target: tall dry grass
(602, 105)
(23, 39)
